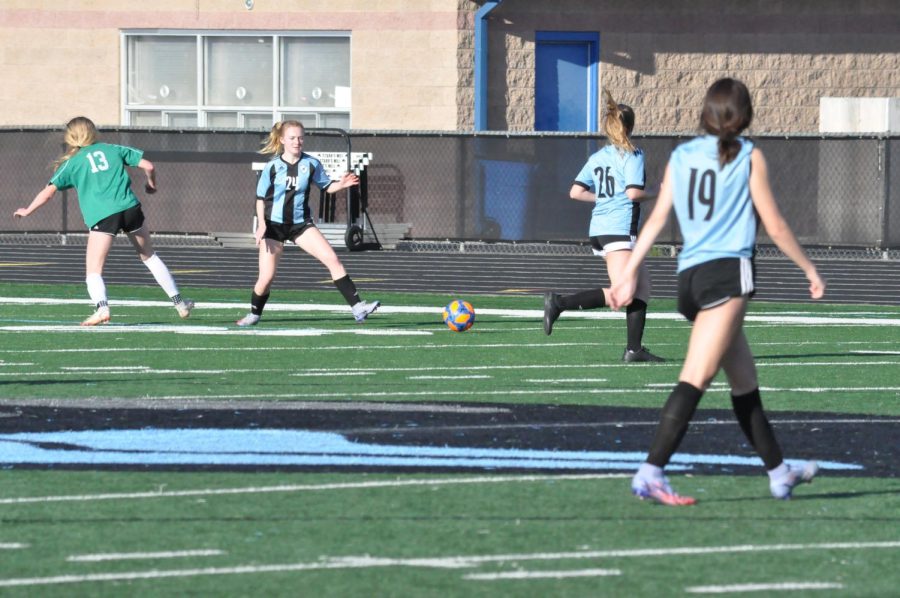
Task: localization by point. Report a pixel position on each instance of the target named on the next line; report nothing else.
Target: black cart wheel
(354, 238)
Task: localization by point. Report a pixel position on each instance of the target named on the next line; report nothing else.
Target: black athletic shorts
(130, 220)
(286, 232)
(713, 283)
(603, 244)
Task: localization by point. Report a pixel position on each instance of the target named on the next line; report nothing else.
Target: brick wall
(660, 55)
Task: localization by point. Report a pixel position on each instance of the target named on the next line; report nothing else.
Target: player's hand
(150, 189)
(21, 213)
(349, 179)
(622, 292)
(816, 285)
(259, 232)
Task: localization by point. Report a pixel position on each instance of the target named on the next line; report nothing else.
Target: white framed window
(243, 80)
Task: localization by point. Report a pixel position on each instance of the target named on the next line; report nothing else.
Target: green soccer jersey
(98, 174)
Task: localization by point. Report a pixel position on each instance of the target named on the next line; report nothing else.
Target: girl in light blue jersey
(283, 214)
(613, 179)
(718, 184)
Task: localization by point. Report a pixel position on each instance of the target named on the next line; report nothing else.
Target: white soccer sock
(96, 288)
(162, 275)
(651, 472)
(779, 472)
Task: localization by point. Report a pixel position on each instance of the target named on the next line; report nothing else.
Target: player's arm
(581, 193)
(347, 180)
(776, 226)
(260, 220)
(637, 195)
(623, 291)
(150, 171)
(45, 195)
(636, 178)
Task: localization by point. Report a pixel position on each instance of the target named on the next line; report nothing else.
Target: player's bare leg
(98, 246)
(270, 252)
(140, 240)
(313, 242)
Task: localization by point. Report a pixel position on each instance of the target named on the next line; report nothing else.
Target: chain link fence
(840, 194)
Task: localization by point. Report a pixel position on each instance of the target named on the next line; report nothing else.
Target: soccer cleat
(551, 311)
(363, 310)
(101, 316)
(184, 308)
(641, 355)
(784, 486)
(658, 490)
(250, 319)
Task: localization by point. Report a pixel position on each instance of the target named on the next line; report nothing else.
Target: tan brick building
(410, 64)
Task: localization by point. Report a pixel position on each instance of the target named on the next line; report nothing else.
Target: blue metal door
(565, 83)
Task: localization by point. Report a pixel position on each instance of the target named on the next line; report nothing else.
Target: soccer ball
(459, 315)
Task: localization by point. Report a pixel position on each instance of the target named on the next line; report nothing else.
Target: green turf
(524, 519)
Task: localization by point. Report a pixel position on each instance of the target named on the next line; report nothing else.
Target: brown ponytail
(618, 123)
(727, 111)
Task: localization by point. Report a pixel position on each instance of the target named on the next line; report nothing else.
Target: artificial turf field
(313, 456)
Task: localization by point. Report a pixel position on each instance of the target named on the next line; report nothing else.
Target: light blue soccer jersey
(285, 188)
(608, 173)
(712, 203)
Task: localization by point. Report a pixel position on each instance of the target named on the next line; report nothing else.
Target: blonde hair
(80, 132)
(618, 123)
(272, 144)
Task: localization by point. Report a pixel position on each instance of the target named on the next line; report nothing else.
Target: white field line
(450, 562)
(124, 556)
(778, 317)
(542, 574)
(307, 488)
(564, 380)
(12, 546)
(424, 346)
(387, 395)
(787, 586)
(67, 370)
(468, 377)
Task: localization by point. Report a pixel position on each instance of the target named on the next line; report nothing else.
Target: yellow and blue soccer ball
(459, 315)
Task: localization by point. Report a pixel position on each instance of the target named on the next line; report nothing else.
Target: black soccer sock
(755, 425)
(583, 300)
(347, 289)
(673, 423)
(258, 303)
(635, 318)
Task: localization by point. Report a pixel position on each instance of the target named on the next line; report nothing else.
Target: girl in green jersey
(97, 171)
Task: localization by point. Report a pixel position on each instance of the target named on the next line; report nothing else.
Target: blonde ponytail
(272, 145)
(80, 132)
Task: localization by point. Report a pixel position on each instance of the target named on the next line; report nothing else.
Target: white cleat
(248, 320)
(184, 308)
(363, 310)
(784, 486)
(101, 316)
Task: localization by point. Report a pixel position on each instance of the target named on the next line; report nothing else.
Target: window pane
(162, 70)
(316, 71)
(239, 71)
(338, 120)
(227, 120)
(145, 119)
(309, 121)
(182, 119)
(258, 121)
